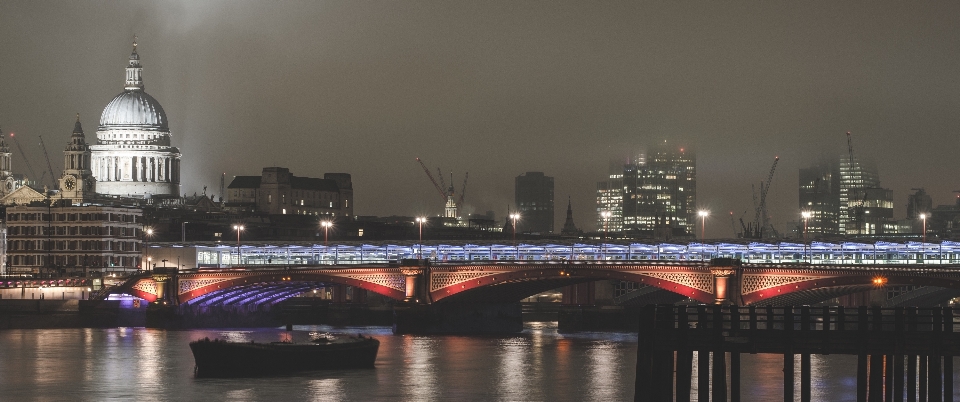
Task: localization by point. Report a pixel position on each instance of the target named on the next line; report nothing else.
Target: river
(536, 365)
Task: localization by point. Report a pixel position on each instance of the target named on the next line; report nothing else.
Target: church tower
(77, 181)
(7, 184)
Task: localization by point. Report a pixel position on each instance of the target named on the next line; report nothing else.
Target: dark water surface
(536, 365)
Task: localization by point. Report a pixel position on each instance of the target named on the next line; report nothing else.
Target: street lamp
(606, 221)
(606, 233)
(806, 216)
(238, 228)
(146, 249)
(923, 217)
(420, 221)
(703, 224)
(515, 216)
(326, 228)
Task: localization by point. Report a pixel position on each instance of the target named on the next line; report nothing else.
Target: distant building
(73, 239)
(873, 213)
(658, 194)
(854, 175)
(278, 192)
(820, 197)
(610, 199)
(133, 156)
(533, 192)
(919, 203)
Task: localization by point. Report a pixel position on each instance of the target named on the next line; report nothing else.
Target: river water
(537, 365)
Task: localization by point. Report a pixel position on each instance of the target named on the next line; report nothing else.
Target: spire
(569, 228)
(77, 129)
(134, 70)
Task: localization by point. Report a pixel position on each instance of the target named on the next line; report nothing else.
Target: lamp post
(420, 221)
(703, 224)
(326, 229)
(923, 245)
(238, 228)
(146, 249)
(606, 233)
(515, 217)
(183, 231)
(806, 247)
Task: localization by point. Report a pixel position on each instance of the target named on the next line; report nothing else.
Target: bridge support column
(161, 278)
(725, 288)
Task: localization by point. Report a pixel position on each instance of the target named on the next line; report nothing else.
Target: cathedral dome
(134, 109)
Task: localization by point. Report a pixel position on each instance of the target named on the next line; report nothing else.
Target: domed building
(132, 156)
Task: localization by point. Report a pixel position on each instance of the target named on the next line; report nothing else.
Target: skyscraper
(854, 175)
(610, 199)
(657, 194)
(534, 197)
(820, 197)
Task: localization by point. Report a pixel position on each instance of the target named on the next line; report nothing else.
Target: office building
(278, 192)
(820, 198)
(533, 192)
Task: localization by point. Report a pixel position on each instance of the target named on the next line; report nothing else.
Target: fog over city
(502, 88)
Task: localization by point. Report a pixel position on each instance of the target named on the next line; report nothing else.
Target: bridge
(747, 274)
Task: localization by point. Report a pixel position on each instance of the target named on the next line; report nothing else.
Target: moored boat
(219, 358)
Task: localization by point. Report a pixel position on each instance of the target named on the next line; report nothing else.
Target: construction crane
(764, 218)
(53, 180)
(760, 221)
(432, 180)
(26, 161)
(453, 205)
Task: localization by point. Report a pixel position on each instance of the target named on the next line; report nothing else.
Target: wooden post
(734, 376)
(900, 327)
(788, 365)
(875, 389)
(703, 358)
(663, 359)
(719, 376)
(923, 378)
(805, 357)
(719, 357)
(643, 386)
(862, 358)
(935, 381)
(948, 359)
(684, 356)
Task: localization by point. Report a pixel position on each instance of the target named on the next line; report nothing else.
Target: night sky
(502, 88)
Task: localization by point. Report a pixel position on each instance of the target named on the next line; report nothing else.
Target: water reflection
(539, 364)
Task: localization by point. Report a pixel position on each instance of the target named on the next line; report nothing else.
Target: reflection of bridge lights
(879, 281)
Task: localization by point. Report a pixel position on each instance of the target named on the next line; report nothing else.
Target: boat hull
(231, 359)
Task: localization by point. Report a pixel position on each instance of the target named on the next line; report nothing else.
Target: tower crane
(453, 205)
(26, 161)
(53, 180)
(755, 230)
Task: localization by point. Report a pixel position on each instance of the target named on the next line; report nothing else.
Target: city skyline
(480, 88)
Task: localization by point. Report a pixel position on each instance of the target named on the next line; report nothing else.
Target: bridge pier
(725, 288)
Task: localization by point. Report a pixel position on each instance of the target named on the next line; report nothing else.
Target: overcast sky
(502, 88)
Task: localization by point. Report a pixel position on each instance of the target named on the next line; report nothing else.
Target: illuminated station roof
(945, 252)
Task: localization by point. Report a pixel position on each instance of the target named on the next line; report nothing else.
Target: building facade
(820, 197)
(854, 175)
(278, 192)
(610, 200)
(133, 155)
(73, 239)
(660, 193)
(533, 192)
